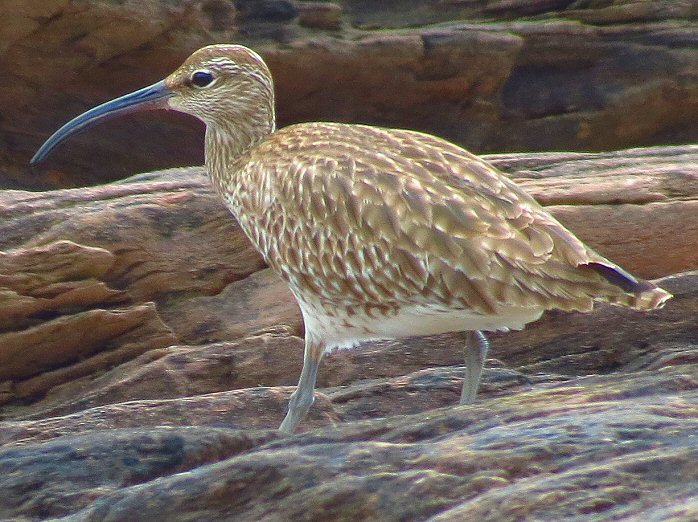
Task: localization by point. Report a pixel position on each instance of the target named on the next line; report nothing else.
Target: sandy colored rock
(168, 237)
(245, 409)
(236, 311)
(382, 377)
(145, 351)
(60, 320)
(618, 201)
(94, 258)
(493, 76)
(48, 361)
(179, 371)
(38, 282)
(162, 352)
(137, 455)
(555, 348)
(320, 15)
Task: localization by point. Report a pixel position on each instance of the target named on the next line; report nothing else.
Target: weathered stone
(94, 464)
(249, 408)
(320, 15)
(258, 303)
(618, 444)
(578, 76)
(179, 371)
(559, 346)
(266, 10)
(165, 237)
(59, 322)
(48, 361)
(617, 200)
(153, 229)
(139, 333)
(39, 282)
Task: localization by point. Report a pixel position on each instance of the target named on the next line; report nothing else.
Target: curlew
(379, 233)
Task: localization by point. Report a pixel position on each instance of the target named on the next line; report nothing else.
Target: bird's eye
(201, 78)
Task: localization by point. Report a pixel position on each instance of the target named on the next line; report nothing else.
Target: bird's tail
(647, 300)
(637, 294)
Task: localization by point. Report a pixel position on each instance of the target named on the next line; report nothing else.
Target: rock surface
(492, 75)
(146, 356)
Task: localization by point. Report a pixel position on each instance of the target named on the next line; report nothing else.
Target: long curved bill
(152, 97)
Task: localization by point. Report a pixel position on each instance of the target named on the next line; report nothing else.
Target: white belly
(341, 330)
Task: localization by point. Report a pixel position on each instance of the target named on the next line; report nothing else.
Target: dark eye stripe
(201, 78)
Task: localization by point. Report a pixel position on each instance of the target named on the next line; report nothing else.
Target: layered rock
(607, 447)
(493, 76)
(146, 354)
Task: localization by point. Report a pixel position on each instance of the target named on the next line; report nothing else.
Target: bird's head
(228, 87)
(219, 83)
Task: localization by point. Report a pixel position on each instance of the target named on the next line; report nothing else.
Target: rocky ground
(493, 75)
(146, 356)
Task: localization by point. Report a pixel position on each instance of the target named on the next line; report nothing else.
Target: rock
(52, 279)
(55, 327)
(320, 15)
(598, 196)
(266, 10)
(153, 230)
(246, 409)
(135, 455)
(235, 311)
(555, 348)
(147, 289)
(147, 354)
(63, 349)
(71, 311)
(180, 371)
(612, 446)
(493, 76)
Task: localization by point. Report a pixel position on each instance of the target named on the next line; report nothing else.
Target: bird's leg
(303, 397)
(476, 348)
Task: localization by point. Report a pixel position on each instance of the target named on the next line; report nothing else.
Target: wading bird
(379, 233)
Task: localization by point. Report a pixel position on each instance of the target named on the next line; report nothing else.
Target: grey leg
(476, 348)
(303, 397)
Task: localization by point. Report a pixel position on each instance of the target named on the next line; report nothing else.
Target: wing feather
(414, 218)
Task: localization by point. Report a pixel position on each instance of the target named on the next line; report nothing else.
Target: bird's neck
(228, 141)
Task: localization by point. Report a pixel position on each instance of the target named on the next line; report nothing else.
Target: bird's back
(373, 219)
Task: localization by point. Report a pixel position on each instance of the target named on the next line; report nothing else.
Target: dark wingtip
(622, 279)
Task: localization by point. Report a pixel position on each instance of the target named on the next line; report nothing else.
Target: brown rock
(261, 302)
(153, 228)
(52, 358)
(320, 15)
(617, 200)
(614, 446)
(54, 327)
(580, 76)
(135, 456)
(165, 237)
(51, 279)
(557, 347)
(107, 414)
(248, 409)
(179, 371)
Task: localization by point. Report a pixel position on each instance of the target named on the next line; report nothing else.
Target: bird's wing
(391, 216)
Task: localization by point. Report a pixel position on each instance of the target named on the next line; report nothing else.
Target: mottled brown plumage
(384, 232)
